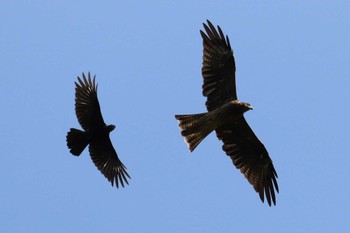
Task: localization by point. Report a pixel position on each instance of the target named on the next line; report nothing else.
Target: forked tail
(76, 141)
(193, 129)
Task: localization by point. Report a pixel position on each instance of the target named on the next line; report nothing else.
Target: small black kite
(225, 116)
(95, 134)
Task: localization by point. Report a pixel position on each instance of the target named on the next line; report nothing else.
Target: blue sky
(292, 66)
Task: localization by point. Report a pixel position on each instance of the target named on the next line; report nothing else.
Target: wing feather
(87, 107)
(106, 160)
(249, 155)
(218, 68)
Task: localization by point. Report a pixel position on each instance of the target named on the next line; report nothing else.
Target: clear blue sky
(293, 63)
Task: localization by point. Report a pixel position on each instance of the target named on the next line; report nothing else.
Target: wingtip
(190, 148)
(121, 177)
(209, 22)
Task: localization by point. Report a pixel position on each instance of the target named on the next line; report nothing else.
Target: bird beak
(251, 108)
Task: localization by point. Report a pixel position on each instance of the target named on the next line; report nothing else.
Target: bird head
(246, 106)
(110, 128)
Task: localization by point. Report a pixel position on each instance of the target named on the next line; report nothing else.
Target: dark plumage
(95, 134)
(225, 116)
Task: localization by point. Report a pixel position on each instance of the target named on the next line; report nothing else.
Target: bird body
(195, 127)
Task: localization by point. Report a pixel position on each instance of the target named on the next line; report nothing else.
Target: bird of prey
(225, 116)
(95, 134)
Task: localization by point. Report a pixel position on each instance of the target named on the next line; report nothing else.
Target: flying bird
(225, 116)
(95, 133)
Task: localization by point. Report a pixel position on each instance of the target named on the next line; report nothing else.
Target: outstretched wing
(218, 68)
(250, 156)
(87, 107)
(106, 160)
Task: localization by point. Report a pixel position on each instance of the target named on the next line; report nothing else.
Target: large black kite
(95, 134)
(225, 116)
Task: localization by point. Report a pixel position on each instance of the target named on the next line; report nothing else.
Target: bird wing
(87, 107)
(106, 160)
(250, 156)
(218, 68)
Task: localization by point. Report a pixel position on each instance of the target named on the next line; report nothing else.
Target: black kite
(225, 116)
(95, 134)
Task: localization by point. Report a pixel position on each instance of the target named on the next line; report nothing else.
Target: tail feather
(192, 129)
(76, 141)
